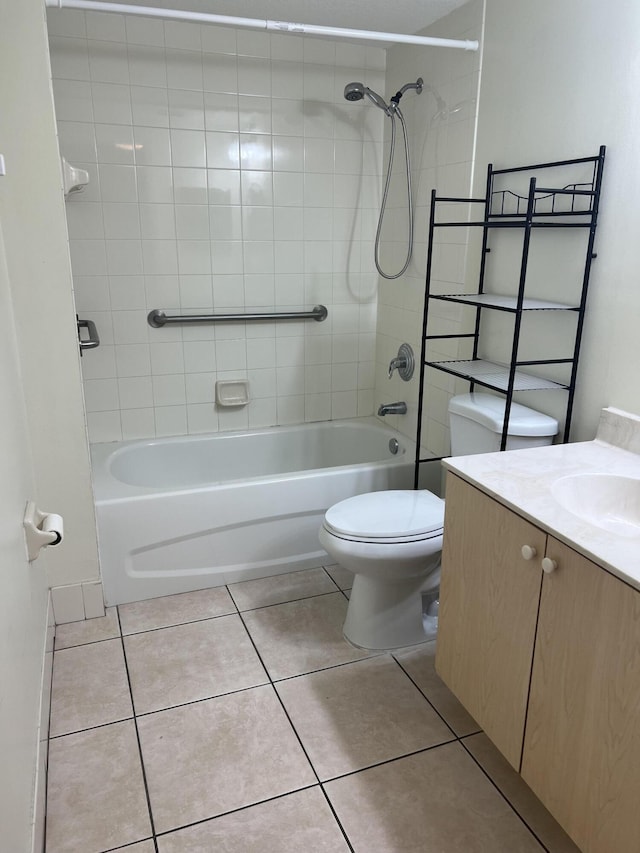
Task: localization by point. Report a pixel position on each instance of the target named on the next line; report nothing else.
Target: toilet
(392, 540)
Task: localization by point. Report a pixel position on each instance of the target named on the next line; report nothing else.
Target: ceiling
(393, 16)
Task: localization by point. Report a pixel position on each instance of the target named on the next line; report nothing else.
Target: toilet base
(384, 616)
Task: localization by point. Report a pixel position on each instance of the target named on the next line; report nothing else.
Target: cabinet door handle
(549, 565)
(528, 552)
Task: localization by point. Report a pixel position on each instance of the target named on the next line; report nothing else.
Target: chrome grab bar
(93, 340)
(158, 318)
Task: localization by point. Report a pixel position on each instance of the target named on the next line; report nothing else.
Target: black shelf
(498, 302)
(570, 205)
(491, 374)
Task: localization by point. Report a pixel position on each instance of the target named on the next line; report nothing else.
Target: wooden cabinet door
(489, 597)
(582, 745)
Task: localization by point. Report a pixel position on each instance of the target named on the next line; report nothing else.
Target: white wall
(442, 157)
(559, 80)
(43, 448)
(227, 173)
(32, 213)
(23, 598)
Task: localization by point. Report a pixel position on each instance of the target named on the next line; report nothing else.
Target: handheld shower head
(357, 91)
(354, 91)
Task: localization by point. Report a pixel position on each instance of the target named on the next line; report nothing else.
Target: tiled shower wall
(441, 123)
(227, 172)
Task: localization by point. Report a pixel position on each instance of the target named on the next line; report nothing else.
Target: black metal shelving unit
(574, 205)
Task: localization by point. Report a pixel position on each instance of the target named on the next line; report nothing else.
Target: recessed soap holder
(232, 392)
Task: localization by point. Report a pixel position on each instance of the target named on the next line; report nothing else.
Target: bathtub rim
(109, 489)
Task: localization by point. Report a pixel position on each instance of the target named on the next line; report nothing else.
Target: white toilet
(392, 540)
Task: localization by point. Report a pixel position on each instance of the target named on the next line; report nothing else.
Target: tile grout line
(125, 847)
(501, 792)
(333, 579)
(215, 696)
(135, 723)
(234, 811)
(460, 739)
(204, 618)
(46, 781)
(455, 734)
(178, 624)
(273, 686)
(274, 683)
(91, 728)
(242, 690)
(390, 760)
(235, 612)
(359, 770)
(290, 601)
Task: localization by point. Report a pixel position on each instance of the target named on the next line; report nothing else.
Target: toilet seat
(389, 517)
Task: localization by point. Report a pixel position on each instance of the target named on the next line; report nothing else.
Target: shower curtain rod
(258, 23)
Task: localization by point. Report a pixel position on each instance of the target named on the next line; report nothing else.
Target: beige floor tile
(190, 662)
(420, 664)
(293, 824)
(90, 631)
(519, 795)
(90, 687)
(140, 847)
(438, 800)
(175, 609)
(96, 799)
(360, 714)
(343, 577)
(218, 755)
(279, 588)
(302, 636)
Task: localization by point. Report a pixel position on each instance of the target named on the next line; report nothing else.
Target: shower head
(354, 91)
(357, 91)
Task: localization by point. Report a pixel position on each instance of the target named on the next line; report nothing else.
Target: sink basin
(608, 501)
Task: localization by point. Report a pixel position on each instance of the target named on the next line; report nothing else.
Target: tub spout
(399, 408)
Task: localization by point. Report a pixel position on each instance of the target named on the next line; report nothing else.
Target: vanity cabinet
(488, 610)
(548, 663)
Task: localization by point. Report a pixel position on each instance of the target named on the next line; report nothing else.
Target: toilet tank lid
(487, 410)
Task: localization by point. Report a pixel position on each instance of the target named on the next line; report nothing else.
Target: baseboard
(75, 602)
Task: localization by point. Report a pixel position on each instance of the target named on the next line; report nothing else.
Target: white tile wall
(227, 172)
(442, 150)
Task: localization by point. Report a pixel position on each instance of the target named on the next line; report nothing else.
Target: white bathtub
(191, 512)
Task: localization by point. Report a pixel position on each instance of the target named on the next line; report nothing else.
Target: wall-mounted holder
(40, 530)
(93, 339)
(73, 180)
(404, 363)
(232, 392)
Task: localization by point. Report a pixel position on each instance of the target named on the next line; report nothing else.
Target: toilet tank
(476, 422)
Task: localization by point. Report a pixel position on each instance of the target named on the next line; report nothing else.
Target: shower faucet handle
(396, 364)
(404, 363)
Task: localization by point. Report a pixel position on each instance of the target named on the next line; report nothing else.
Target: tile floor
(238, 720)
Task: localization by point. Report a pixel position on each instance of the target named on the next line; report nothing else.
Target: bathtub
(191, 512)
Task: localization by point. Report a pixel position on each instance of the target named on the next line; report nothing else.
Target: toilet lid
(398, 515)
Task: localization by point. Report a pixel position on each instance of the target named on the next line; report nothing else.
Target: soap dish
(232, 392)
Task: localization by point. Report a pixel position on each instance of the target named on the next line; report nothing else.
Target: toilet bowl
(392, 542)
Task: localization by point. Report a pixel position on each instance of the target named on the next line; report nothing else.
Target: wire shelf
(508, 203)
(569, 200)
(505, 303)
(496, 376)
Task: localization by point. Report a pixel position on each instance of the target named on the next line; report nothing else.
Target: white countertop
(522, 480)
